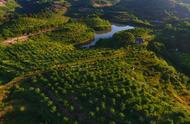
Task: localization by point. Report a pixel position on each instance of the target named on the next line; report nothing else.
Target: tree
(7, 33)
(126, 38)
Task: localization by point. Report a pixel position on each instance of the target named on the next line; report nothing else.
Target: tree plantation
(94, 62)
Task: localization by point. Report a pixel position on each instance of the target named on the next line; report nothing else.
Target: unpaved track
(24, 37)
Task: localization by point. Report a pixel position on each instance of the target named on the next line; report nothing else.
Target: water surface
(106, 35)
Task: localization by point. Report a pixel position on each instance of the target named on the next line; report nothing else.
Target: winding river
(106, 35)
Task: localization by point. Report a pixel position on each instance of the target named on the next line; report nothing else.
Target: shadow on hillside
(32, 6)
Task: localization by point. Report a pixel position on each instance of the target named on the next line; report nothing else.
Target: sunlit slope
(117, 86)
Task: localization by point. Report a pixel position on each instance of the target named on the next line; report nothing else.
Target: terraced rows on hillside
(130, 78)
(100, 89)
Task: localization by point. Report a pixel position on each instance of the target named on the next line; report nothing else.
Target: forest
(94, 61)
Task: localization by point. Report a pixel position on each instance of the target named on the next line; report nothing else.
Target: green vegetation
(73, 33)
(155, 9)
(138, 12)
(6, 9)
(33, 56)
(1, 81)
(27, 25)
(98, 24)
(183, 59)
(139, 76)
(176, 35)
(125, 38)
(174, 46)
(77, 88)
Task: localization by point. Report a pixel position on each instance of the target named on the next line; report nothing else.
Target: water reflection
(106, 35)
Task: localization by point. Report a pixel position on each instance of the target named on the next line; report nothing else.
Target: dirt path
(14, 40)
(24, 37)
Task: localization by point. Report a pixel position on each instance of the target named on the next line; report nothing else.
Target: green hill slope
(157, 8)
(92, 86)
(47, 78)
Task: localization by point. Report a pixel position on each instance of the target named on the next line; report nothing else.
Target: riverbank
(107, 35)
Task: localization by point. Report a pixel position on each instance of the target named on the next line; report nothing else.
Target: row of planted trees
(101, 93)
(28, 25)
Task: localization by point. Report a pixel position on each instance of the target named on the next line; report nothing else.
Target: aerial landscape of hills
(94, 61)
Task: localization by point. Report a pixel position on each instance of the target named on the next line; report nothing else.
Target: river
(106, 35)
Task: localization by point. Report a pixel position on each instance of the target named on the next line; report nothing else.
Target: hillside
(94, 62)
(154, 10)
(158, 8)
(68, 88)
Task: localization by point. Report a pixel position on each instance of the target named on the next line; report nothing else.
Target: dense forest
(94, 61)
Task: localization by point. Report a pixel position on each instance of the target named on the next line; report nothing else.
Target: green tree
(125, 38)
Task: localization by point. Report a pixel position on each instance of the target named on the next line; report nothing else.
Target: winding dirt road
(24, 37)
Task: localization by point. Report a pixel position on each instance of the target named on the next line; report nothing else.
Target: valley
(94, 61)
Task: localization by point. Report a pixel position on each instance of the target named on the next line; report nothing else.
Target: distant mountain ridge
(157, 8)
